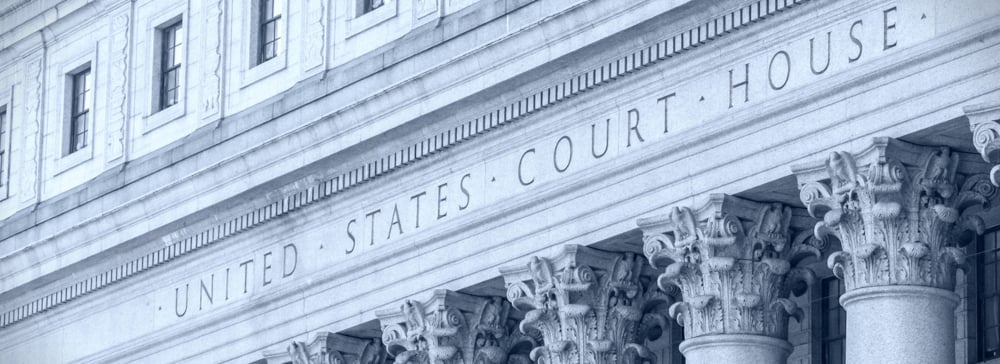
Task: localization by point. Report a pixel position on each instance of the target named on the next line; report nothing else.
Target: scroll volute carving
(454, 328)
(588, 306)
(984, 121)
(328, 348)
(901, 214)
(734, 264)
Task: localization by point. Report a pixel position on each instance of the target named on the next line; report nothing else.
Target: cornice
(552, 194)
(491, 119)
(32, 20)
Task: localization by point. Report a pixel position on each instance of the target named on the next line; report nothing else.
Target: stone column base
(735, 348)
(900, 324)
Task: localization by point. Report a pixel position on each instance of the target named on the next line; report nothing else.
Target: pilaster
(901, 213)
(734, 263)
(588, 306)
(454, 328)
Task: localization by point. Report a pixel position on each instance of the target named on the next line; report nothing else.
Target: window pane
(267, 9)
(992, 340)
(991, 311)
(269, 31)
(837, 352)
(989, 279)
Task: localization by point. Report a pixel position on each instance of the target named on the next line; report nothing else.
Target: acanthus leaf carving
(454, 329)
(984, 121)
(329, 348)
(734, 269)
(897, 223)
(588, 306)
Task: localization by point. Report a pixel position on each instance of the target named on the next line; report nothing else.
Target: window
(81, 83)
(988, 297)
(834, 324)
(268, 37)
(368, 5)
(171, 55)
(3, 146)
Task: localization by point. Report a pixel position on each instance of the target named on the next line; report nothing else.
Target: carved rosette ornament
(329, 348)
(588, 306)
(984, 120)
(901, 214)
(734, 264)
(454, 328)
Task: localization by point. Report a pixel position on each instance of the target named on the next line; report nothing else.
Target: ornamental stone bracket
(588, 306)
(900, 211)
(734, 262)
(331, 348)
(984, 120)
(454, 328)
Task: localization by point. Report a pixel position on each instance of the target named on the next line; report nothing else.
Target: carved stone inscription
(362, 223)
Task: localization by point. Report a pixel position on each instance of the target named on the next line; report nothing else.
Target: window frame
(820, 315)
(156, 116)
(4, 149)
(78, 132)
(367, 6)
(360, 21)
(979, 295)
(262, 23)
(252, 69)
(167, 70)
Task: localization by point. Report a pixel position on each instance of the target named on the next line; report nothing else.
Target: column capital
(588, 306)
(331, 348)
(454, 328)
(901, 211)
(733, 261)
(984, 121)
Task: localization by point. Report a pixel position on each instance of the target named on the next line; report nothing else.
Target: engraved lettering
(812, 56)
(555, 153)
(745, 84)
(856, 41)
(633, 127)
(770, 70)
(520, 171)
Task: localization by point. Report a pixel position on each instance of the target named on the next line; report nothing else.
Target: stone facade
(500, 181)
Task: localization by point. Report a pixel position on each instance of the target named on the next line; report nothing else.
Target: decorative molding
(212, 66)
(315, 38)
(118, 97)
(588, 306)
(984, 120)
(330, 348)
(494, 119)
(33, 125)
(454, 328)
(900, 211)
(734, 264)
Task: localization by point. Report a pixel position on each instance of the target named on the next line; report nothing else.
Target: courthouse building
(499, 181)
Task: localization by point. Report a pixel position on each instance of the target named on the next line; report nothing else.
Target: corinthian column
(733, 263)
(587, 306)
(330, 348)
(984, 120)
(454, 328)
(901, 212)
